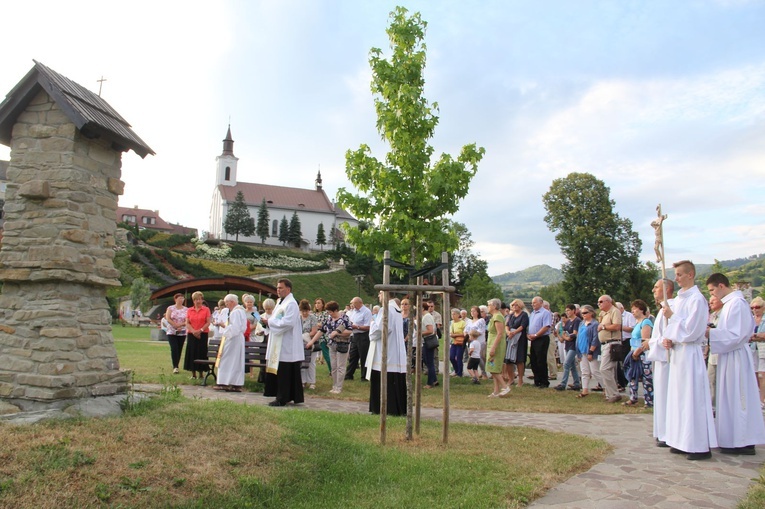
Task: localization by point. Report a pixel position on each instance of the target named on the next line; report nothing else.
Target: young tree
(284, 230)
(238, 220)
(408, 198)
(321, 237)
(294, 236)
(263, 220)
(600, 247)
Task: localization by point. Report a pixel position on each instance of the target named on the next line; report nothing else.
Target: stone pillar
(56, 262)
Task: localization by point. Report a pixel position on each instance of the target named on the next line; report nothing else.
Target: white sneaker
(505, 391)
(175, 371)
(493, 395)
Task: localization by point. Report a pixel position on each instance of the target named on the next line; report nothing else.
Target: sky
(663, 101)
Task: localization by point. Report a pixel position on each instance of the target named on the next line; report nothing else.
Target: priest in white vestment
(690, 425)
(739, 416)
(286, 352)
(658, 354)
(231, 351)
(396, 361)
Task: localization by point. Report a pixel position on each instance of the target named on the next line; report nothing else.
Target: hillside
(536, 277)
(162, 259)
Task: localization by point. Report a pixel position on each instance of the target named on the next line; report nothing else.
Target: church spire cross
(318, 179)
(228, 144)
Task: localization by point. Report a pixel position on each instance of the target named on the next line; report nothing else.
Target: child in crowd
(475, 359)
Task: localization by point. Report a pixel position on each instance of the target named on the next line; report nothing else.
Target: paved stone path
(637, 474)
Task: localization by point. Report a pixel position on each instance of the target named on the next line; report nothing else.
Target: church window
(275, 228)
(228, 173)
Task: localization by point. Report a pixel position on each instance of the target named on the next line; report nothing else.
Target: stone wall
(56, 261)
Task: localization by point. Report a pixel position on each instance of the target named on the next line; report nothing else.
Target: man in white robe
(690, 425)
(396, 361)
(286, 351)
(739, 417)
(231, 355)
(658, 354)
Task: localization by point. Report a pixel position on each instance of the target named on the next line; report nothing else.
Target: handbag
(344, 344)
(342, 347)
(431, 342)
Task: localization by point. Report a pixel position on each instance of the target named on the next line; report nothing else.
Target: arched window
(228, 173)
(275, 228)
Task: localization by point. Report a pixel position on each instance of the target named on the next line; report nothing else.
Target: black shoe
(659, 443)
(560, 387)
(276, 403)
(676, 451)
(575, 387)
(695, 456)
(598, 389)
(746, 451)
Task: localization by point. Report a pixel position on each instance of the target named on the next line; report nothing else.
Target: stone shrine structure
(56, 263)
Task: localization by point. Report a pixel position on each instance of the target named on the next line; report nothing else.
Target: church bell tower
(226, 163)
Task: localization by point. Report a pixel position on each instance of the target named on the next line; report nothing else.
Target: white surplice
(658, 354)
(739, 416)
(690, 424)
(396, 348)
(231, 367)
(286, 326)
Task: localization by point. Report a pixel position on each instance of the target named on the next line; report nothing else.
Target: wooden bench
(254, 357)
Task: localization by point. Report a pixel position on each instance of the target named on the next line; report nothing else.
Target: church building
(313, 207)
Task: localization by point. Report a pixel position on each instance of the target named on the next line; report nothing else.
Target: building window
(128, 219)
(275, 228)
(228, 173)
(149, 220)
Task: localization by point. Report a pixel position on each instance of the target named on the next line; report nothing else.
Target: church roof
(88, 112)
(291, 198)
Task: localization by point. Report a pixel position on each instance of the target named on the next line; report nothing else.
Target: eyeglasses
(585, 312)
(756, 307)
(601, 301)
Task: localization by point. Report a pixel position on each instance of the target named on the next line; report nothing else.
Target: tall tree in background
(600, 247)
(321, 237)
(284, 230)
(238, 219)
(408, 198)
(295, 236)
(464, 263)
(140, 293)
(263, 220)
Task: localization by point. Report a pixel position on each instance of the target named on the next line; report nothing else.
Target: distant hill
(537, 276)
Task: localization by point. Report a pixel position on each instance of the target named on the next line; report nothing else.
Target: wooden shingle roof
(88, 112)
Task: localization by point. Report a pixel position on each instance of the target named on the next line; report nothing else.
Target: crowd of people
(697, 361)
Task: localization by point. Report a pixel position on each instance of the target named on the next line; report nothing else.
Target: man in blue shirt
(540, 323)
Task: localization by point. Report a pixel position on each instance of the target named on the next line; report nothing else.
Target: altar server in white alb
(658, 354)
(739, 417)
(396, 360)
(690, 425)
(230, 361)
(285, 353)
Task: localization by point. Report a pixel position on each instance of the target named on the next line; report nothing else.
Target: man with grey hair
(610, 336)
(231, 350)
(361, 320)
(540, 323)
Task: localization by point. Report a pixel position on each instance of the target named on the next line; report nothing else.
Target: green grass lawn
(183, 453)
(150, 362)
